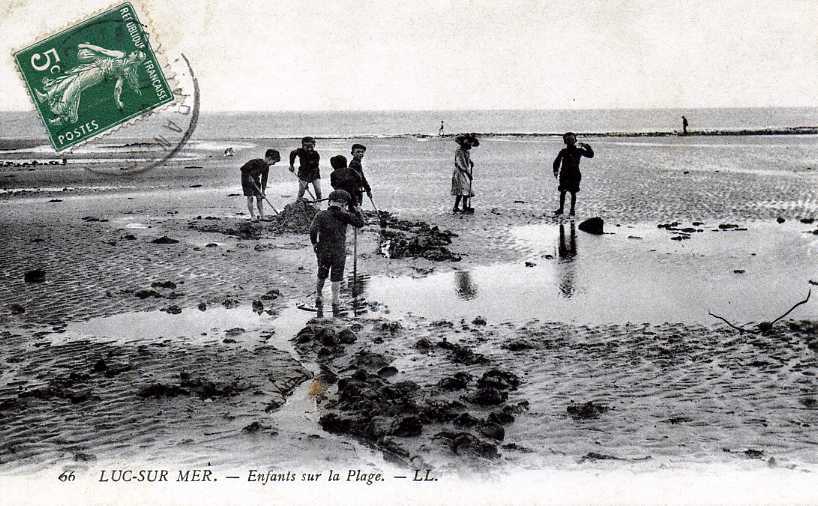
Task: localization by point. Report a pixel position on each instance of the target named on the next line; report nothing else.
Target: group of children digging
(328, 228)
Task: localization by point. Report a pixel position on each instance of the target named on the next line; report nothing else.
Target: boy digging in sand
(251, 186)
(569, 175)
(328, 233)
(308, 159)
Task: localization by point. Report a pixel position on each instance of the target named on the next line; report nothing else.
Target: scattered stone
(55, 200)
(172, 309)
(35, 276)
(492, 430)
(144, 294)
(157, 390)
(271, 294)
(807, 220)
(16, 309)
(164, 240)
(251, 428)
(258, 306)
(462, 355)
(129, 237)
(230, 303)
(487, 396)
(738, 271)
(675, 420)
(196, 186)
(530, 264)
(163, 284)
(463, 443)
(479, 320)
(387, 372)
(465, 420)
(728, 226)
(496, 378)
(459, 381)
(586, 411)
(211, 245)
(593, 225)
(516, 447)
(202, 306)
(780, 219)
(407, 426)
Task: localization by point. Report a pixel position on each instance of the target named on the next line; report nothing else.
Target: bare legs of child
(562, 203)
(466, 207)
(258, 204)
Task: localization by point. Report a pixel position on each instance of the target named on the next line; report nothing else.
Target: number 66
(36, 57)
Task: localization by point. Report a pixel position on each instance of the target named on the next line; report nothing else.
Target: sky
(254, 55)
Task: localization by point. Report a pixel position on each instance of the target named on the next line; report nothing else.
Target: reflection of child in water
(465, 288)
(567, 250)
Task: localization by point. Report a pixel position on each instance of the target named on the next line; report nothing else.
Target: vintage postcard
(461, 252)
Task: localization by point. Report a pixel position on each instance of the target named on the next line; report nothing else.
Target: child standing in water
(566, 168)
(328, 233)
(462, 175)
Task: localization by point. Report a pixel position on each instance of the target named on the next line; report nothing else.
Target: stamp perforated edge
(156, 46)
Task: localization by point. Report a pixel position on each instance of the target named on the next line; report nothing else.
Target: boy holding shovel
(328, 233)
(251, 186)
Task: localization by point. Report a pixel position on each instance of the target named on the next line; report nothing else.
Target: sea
(348, 124)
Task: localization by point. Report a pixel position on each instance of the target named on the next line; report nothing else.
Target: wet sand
(142, 351)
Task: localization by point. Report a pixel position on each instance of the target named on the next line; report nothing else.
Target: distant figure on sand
(684, 125)
(254, 180)
(566, 168)
(440, 130)
(328, 233)
(308, 172)
(358, 151)
(463, 172)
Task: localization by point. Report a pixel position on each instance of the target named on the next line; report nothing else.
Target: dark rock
(738, 271)
(271, 295)
(158, 390)
(163, 284)
(84, 457)
(504, 417)
(462, 355)
(487, 396)
(202, 306)
(100, 366)
(727, 226)
(674, 420)
(211, 245)
(234, 332)
(258, 306)
(502, 380)
(463, 443)
(407, 426)
(479, 320)
(807, 220)
(516, 447)
(35, 276)
(592, 226)
(423, 344)
(780, 219)
(387, 372)
(465, 420)
(251, 428)
(594, 456)
(530, 264)
(586, 411)
(230, 303)
(144, 294)
(492, 430)
(518, 345)
(172, 309)
(346, 336)
(457, 382)
(164, 240)
(16, 309)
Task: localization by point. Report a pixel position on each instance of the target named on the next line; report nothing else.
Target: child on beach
(358, 151)
(343, 178)
(568, 174)
(251, 186)
(308, 172)
(328, 237)
(462, 175)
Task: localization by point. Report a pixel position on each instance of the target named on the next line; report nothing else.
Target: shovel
(264, 197)
(381, 219)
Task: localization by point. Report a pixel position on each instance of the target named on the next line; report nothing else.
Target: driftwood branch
(795, 306)
(725, 320)
(763, 326)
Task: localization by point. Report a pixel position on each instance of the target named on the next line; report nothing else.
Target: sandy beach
(534, 346)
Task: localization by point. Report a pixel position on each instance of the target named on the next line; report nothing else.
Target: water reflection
(566, 268)
(465, 288)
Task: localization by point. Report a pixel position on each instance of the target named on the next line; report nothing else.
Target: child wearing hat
(328, 237)
(566, 168)
(462, 175)
(251, 186)
(308, 159)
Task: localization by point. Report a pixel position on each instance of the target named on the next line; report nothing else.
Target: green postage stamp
(94, 76)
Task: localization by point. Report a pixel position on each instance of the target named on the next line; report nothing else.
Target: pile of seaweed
(294, 218)
(403, 238)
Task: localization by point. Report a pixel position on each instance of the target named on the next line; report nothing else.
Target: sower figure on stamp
(308, 159)
(254, 180)
(358, 151)
(328, 237)
(566, 168)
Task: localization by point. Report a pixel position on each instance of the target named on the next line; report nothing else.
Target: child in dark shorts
(568, 174)
(308, 172)
(328, 233)
(254, 180)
